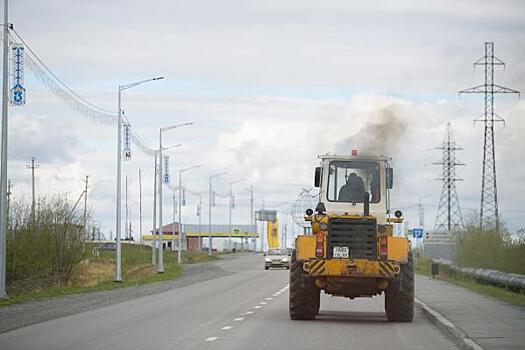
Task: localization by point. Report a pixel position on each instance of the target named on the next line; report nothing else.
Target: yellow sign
(273, 234)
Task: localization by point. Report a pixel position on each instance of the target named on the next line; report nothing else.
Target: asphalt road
(247, 309)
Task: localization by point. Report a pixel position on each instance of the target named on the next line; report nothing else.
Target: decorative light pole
(118, 264)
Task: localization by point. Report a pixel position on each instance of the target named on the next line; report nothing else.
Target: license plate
(341, 252)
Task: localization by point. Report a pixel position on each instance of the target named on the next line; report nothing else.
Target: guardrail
(509, 281)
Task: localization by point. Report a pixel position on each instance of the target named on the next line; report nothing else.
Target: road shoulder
(473, 320)
(25, 314)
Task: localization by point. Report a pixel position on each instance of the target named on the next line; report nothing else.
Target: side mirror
(317, 178)
(389, 178)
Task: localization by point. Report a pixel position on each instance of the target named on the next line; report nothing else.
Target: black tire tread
(399, 304)
(304, 295)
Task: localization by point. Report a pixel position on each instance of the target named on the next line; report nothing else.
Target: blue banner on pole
(18, 92)
(127, 141)
(166, 176)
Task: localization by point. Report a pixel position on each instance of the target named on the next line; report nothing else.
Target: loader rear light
(319, 245)
(383, 248)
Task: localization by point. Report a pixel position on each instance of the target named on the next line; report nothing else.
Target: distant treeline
(492, 250)
(44, 247)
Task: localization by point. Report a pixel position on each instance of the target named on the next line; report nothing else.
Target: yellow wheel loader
(351, 251)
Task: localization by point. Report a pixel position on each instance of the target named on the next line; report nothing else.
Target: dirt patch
(96, 271)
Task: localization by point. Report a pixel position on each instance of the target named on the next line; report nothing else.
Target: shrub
(43, 250)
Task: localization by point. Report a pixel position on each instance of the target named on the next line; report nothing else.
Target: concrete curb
(448, 327)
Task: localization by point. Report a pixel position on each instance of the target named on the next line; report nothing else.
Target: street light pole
(154, 248)
(230, 194)
(179, 253)
(3, 151)
(161, 243)
(118, 263)
(210, 192)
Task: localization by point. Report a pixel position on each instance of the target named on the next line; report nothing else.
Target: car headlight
(267, 259)
(284, 259)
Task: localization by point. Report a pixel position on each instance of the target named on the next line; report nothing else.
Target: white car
(276, 258)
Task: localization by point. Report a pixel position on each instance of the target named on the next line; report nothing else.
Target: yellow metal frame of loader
(351, 268)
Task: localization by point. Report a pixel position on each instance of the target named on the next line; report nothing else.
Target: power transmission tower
(489, 215)
(33, 166)
(421, 214)
(449, 218)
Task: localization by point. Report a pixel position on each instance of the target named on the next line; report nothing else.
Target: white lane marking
(238, 319)
(225, 328)
(257, 307)
(211, 339)
(250, 312)
(268, 298)
(263, 303)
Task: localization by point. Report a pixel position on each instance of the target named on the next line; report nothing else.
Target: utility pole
(85, 206)
(33, 166)
(489, 214)
(449, 218)
(154, 231)
(3, 154)
(140, 210)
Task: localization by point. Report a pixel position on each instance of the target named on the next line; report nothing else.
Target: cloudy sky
(269, 86)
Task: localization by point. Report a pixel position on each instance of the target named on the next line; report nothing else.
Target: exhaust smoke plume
(381, 133)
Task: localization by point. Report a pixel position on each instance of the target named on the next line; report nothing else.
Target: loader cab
(347, 183)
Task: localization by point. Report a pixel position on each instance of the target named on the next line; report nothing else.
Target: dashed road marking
(263, 303)
(238, 319)
(257, 307)
(249, 312)
(211, 339)
(268, 298)
(225, 328)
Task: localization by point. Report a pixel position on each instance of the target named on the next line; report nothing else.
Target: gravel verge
(25, 314)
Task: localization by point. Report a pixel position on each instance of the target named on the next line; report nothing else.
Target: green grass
(423, 267)
(136, 270)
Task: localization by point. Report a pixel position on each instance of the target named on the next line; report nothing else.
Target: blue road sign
(166, 178)
(417, 232)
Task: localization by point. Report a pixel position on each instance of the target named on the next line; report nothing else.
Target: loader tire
(304, 295)
(399, 296)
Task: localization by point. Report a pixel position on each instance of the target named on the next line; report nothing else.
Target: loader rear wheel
(304, 295)
(399, 296)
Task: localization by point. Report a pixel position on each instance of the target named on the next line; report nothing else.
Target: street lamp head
(175, 126)
(158, 78)
(171, 146)
(218, 174)
(190, 168)
(238, 180)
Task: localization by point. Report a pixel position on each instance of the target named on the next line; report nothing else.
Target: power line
(76, 102)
